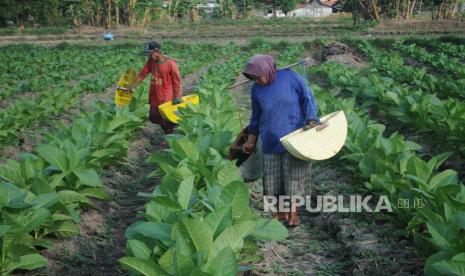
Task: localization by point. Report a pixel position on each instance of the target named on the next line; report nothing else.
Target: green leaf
(98, 193)
(439, 235)
(184, 148)
(4, 229)
(36, 220)
(185, 191)
(459, 219)
(443, 179)
(63, 229)
(219, 219)
(236, 195)
(143, 267)
(270, 230)
(155, 230)
(455, 266)
(418, 168)
(138, 249)
(198, 233)
(11, 172)
(161, 158)
(88, 177)
(232, 237)
(54, 156)
(224, 264)
(183, 264)
(228, 173)
(28, 262)
(11, 196)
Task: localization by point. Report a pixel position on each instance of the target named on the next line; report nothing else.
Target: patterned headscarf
(261, 66)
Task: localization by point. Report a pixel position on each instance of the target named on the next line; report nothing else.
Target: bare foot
(293, 219)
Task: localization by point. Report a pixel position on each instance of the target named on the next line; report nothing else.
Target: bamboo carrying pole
(307, 62)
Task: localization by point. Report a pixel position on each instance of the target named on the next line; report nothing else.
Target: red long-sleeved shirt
(166, 80)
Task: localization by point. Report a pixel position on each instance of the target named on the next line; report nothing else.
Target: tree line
(140, 13)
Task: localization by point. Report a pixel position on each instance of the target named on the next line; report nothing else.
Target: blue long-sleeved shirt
(280, 108)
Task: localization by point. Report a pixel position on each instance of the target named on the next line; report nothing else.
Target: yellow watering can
(170, 112)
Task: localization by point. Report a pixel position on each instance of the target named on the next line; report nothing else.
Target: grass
(31, 31)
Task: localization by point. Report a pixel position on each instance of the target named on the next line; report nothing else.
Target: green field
(86, 188)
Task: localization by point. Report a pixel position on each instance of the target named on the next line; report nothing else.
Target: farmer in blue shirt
(281, 104)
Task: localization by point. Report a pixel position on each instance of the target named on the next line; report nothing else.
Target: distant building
(315, 8)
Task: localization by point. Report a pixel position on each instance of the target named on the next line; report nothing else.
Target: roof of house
(328, 3)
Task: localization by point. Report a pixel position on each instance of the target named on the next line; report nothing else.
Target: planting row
(198, 221)
(43, 193)
(391, 64)
(392, 166)
(23, 113)
(419, 110)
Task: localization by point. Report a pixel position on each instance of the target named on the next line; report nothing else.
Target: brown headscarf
(261, 66)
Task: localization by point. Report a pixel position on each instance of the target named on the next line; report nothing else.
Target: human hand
(176, 101)
(248, 147)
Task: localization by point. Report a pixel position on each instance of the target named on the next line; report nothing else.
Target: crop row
(423, 111)
(43, 193)
(21, 114)
(198, 221)
(392, 166)
(442, 62)
(391, 64)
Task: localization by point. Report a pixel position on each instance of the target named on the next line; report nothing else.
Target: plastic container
(170, 111)
(122, 95)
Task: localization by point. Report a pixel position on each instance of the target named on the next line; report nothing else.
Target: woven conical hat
(318, 145)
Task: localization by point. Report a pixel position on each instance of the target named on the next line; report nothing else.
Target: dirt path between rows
(102, 241)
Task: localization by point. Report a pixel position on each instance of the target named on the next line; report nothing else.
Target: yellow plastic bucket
(170, 111)
(122, 96)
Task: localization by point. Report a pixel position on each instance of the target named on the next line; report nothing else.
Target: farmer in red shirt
(165, 84)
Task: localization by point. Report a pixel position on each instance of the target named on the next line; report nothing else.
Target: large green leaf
(185, 191)
(419, 168)
(98, 193)
(27, 262)
(219, 219)
(198, 232)
(161, 158)
(271, 230)
(224, 264)
(37, 218)
(236, 196)
(88, 177)
(232, 237)
(228, 173)
(63, 229)
(54, 156)
(138, 249)
(155, 230)
(459, 219)
(11, 172)
(443, 179)
(4, 229)
(142, 267)
(11, 196)
(453, 267)
(185, 148)
(439, 234)
(183, 264)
